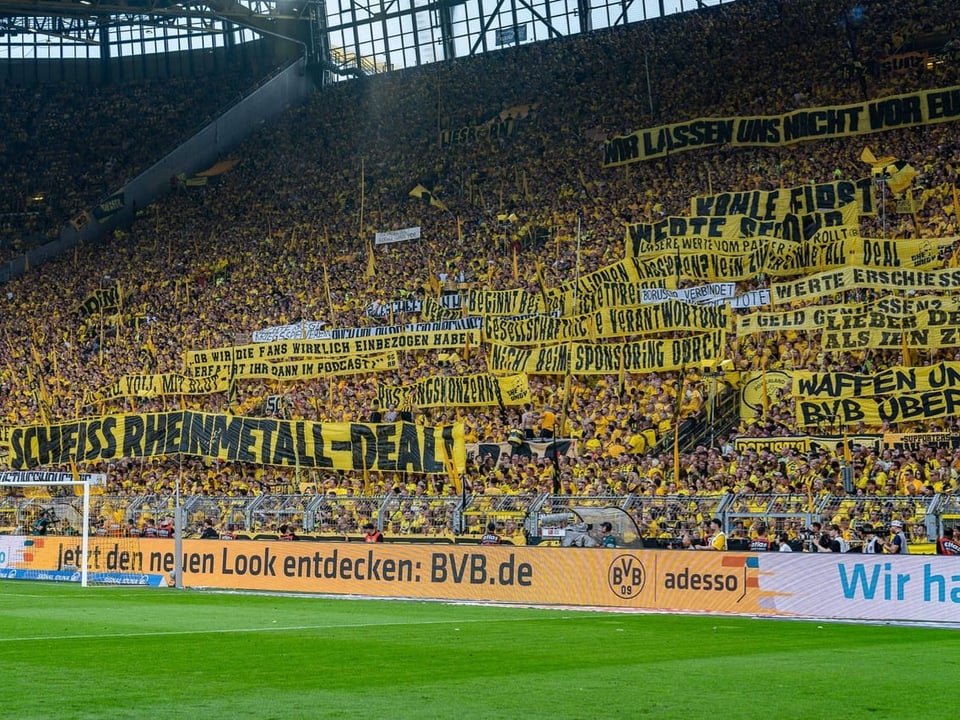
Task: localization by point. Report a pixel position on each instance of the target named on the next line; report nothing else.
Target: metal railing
(660, 519)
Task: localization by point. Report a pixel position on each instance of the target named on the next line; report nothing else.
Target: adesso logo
(738, 574)
(626, 576)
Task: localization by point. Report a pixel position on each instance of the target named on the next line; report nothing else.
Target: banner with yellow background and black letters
(922, 107)
(401, 447)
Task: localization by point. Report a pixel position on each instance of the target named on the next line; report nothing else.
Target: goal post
(54, 539)
(39, 528)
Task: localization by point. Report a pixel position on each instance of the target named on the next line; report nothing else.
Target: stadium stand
(57, 158)
(283, 236)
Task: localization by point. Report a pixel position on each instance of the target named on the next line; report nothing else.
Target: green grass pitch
(116, 653)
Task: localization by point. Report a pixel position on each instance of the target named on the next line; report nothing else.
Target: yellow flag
(763, 381)
(899, 176)
(421, 192)
(676, 448)
(541, 281)
(326, 286)
(366, 474)
(371, 263)
(622, 374)
(434, 281)
(452, 471)
(868, 157)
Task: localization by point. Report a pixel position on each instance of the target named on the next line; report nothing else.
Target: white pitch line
(270, 628)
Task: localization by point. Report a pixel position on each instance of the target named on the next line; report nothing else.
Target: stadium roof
(374, 35)
(214, 8)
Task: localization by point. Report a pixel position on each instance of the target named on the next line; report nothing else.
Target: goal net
(50, 532)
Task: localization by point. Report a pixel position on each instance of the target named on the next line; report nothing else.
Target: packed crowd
(205, 267)
(66, 147)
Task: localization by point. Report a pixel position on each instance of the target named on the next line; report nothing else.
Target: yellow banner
(433, 311)
(569, 301)
(628, 270)
(503, 302)
(669, 315)
(401, 447)
(893, 409)
(293, 370)
(805, 318)
(731, 227)
(924, 337)
(892, 112)
(785, 258)
(803, 199)
(831, 248)
(729, 583)
(101, 300)
(916, 441)
(643, 245)
(833, 282)
(803, 443)
(490, 130)
(458, 391)
(537, 329)
(642, 356)
(760, 390)
(365, 344)
(842, 316)
(150, 386)
(810, 385)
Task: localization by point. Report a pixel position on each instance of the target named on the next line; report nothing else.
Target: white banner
(709, 294)
(378, 309)
(395, 236)
(306, 330)
(751, 299)
(49, 477)
(467, 323)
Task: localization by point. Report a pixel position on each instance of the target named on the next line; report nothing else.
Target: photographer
(898, 543)
(872, 545)
(814, 537)
(42, 523)
(833, 541)
(208, 531)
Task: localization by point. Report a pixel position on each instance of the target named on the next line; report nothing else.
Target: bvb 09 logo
(626, 576)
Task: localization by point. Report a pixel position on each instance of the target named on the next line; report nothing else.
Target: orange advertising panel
(548, 575)
(851, 585)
